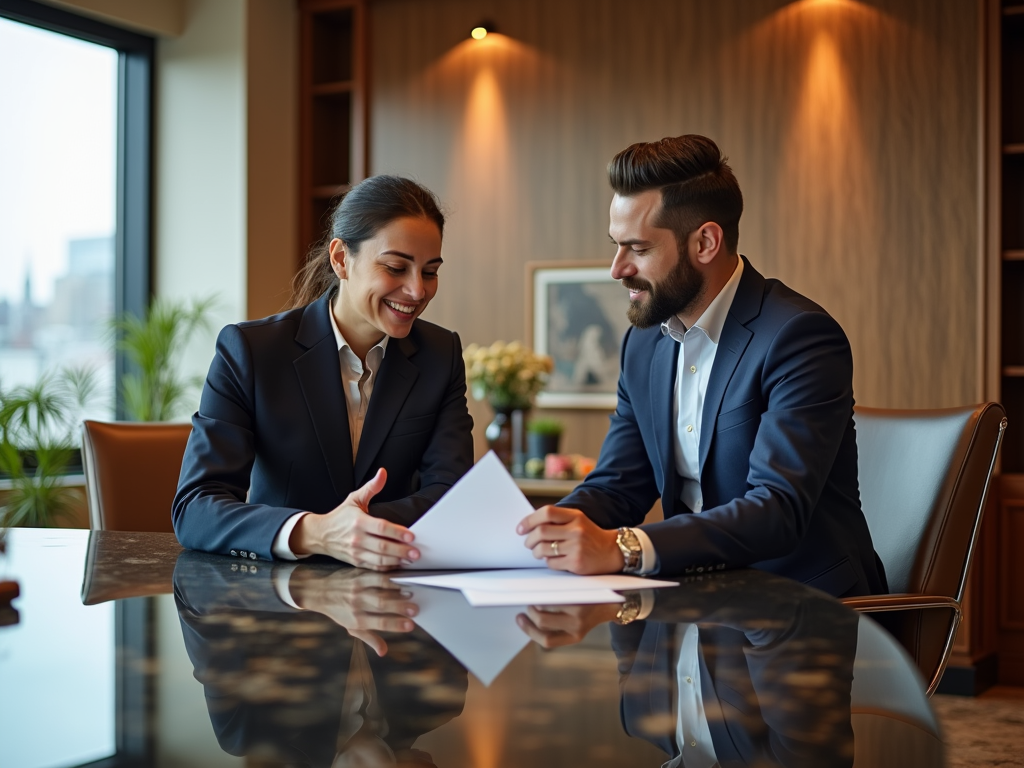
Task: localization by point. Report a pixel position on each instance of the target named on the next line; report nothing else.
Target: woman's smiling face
(388, 282)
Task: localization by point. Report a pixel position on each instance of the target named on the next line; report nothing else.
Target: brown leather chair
(924, 477)
(131, 473)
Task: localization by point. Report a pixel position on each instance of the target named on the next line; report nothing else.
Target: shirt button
(693, 743)
(693, 369)
(689, 427)
(689, 679)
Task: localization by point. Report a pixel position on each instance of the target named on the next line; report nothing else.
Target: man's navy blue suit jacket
(273, 423)
(778, 451)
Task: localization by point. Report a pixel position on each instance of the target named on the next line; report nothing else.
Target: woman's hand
(363, 603)
(348, 533)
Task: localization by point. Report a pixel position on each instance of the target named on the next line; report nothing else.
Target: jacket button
(252, 555)
(243, 553)
(234, 553)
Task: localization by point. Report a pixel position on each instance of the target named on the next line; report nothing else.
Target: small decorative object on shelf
(560, 466)
(508, 376)
(542, 437)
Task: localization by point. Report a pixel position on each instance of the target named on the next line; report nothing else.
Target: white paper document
(483, 640)
(481, 597)
(533, 581)
(474, 524)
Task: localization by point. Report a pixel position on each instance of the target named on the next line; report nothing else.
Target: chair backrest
(131, 473)
(924, 477)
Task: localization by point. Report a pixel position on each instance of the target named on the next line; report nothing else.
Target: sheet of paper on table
(532, 587)
(474, 525)
(482, 598)
(533, 581)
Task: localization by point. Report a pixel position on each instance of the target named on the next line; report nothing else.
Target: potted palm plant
(153, 390)
(39, 446)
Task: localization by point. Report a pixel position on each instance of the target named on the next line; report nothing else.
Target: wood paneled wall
(853, 128)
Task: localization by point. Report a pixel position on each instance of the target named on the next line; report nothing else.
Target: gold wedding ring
(554, 548)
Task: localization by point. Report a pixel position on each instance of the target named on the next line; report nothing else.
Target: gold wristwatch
(630, 609)
(632, 552)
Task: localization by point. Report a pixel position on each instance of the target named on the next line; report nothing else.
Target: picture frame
(576, 313)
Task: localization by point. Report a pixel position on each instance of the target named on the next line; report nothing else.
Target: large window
(74, 192)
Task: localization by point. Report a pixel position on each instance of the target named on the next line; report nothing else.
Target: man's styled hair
(696, 183)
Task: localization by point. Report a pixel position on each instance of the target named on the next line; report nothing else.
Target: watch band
(632, 551)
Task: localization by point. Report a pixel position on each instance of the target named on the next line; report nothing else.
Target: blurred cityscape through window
(58, 144)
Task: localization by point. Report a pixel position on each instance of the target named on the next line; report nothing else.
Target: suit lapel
(746, 305)
(392, 386)
(662, 386)
(319, 373)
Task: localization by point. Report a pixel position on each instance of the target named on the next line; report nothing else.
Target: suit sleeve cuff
(649, 558)
(280, 548)
(282, 577)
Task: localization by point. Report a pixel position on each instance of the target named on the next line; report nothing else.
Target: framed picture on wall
(576, 313)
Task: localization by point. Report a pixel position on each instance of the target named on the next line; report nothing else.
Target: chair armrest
(900, 602)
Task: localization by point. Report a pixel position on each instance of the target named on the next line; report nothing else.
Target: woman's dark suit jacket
(273, 422)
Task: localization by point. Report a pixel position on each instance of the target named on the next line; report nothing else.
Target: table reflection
(305, 684)
(320, 664)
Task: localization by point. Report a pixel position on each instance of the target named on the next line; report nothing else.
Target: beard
(676, 293)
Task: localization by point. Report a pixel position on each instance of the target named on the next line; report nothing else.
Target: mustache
(635, 284)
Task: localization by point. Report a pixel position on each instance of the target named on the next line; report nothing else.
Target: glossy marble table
(127, 650)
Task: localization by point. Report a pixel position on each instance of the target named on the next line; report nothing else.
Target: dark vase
(506, 437)
(540, 445)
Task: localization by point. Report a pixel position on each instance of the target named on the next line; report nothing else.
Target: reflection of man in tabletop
(739, 670)
(296, 686)
(735, 402)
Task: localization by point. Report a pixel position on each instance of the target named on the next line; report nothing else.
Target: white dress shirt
(357, 382)
(693, 735)
(693, 372)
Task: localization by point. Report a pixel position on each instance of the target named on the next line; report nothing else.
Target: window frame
(134, 153)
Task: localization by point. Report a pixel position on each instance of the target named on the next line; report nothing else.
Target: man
(735, 402)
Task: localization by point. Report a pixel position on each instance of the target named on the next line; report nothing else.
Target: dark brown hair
(359, 215)
(697, 185)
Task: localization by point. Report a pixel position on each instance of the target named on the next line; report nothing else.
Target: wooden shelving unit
(1007, 234)
(332, 108)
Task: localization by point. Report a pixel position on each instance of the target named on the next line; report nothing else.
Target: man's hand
(570, 541)
(361, 602)
(553, 626)
(349, 534)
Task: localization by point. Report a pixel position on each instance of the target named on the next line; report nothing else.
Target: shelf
(345, 86)
(1013, 371)
(1013, 149)
(1014, 10)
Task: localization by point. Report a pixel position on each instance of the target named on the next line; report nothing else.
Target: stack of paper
(530, 587)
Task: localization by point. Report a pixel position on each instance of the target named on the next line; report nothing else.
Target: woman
(344, 398)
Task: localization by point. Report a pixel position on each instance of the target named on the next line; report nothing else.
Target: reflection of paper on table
(474, 524)
(484, 640)
(480, 597)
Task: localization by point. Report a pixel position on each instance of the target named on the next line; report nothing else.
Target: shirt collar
(342, 344)
(713, 320)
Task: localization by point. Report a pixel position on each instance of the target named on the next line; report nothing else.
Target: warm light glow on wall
(825, 165)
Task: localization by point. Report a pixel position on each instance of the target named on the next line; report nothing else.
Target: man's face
(660, 276)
